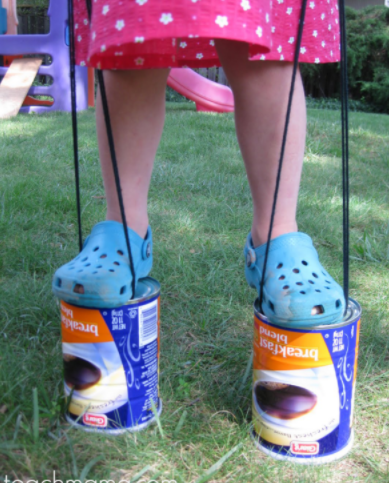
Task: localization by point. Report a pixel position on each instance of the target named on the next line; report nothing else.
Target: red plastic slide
(208, 95)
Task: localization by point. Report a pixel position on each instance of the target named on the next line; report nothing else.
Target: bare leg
(101, 277)
(261, 94)
(136, 102)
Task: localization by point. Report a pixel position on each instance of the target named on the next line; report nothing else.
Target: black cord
(72, 59)
(116, 172)
(345, 151)
(111, 145)
(283, 144)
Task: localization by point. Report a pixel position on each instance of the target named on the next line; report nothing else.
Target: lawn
(200, 211)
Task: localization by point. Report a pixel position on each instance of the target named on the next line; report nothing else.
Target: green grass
(200, 211)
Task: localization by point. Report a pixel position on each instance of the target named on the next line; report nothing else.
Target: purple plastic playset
(54, 44)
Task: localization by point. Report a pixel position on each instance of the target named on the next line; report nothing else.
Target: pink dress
(144, 34)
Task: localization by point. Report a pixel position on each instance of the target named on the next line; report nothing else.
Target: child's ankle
(259, 235)
(137, 223)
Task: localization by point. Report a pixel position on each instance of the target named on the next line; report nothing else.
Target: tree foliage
(368, 61)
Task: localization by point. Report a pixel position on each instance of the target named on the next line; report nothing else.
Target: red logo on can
(297, 447)
(99, 420)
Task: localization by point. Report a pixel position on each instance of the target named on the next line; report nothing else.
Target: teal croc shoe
(100, 275)
(297, 291)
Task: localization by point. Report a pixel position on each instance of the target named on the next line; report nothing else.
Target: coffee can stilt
(111, 362)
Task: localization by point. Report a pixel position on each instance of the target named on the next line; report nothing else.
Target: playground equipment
(15, 85)
(52, 44)
(208, 95)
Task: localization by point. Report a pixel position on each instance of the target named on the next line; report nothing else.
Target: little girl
(136, 42)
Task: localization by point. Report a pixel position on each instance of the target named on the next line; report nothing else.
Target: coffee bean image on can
(304, 388)
(283, 401)
(111, 362)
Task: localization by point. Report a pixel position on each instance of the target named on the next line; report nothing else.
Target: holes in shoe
(271, 305)
(328, 288)
(327, 281)
(317, 290)
(285, 287)
(120, 252)
(95, 249)
(104, 255)
(302, 292)
(317, 310)
(84, 259)
(78, 271)
(87, 265)
(99, 266)
(94, 273)
(338, 303)
(59, 282)
(312, 282)
(304, 262)
(116, 263)
(296, 270)
(71, 268)
(280, 265)
(78, 288)
(315, 275)
(111, 270)
(299, 283)
(282, 277)
(123, 290)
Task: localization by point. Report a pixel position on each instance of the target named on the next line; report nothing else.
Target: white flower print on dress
(323, 44)
(329, 27)
(212, 42)
(323, 16)
(140, 2)
(139, 40)
(166, 18)
(291, 40)
(279, 48)
(221, 20)
(273, 29)
(86, 21)
(245, 4)
(267, 18)
(259, 31)
(199, 56)
(119, 25)
(93, 35)
(82, 63)
(183, 45)
(317, 60)
(314, 33)
(139, 61)
(262, 57)
(281, 57)
(103, 48)
(79, 38)
(76, 26)
(289, 10)
(303, 50)
(311, 4)
(105, 9)
(118, 54)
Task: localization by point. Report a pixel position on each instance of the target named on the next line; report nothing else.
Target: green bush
(368, 61)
